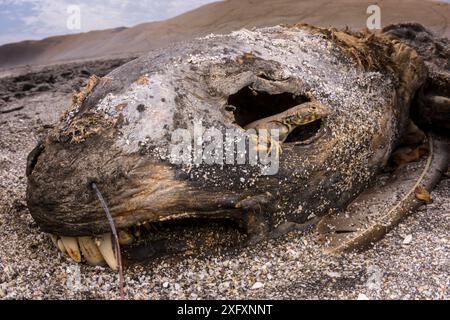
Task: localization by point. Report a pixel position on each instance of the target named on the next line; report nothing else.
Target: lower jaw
(147, 241)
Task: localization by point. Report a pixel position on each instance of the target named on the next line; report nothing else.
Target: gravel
(411, 262)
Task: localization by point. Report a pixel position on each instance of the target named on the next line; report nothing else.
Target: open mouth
(151, 240)
(181, 232)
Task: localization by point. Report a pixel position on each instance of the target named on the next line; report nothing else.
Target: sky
(38, 19)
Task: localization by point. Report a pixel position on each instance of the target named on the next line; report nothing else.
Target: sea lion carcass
(120, 130)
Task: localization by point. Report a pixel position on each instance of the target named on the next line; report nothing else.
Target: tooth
(106, 248)
(125, 237)
(71, 245)
(54, 239)
(90, 251)
(61, 246)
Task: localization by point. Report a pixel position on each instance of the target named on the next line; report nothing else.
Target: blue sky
(37, 19)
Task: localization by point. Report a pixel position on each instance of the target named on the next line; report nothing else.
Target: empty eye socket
(249, 105)
(305, 132)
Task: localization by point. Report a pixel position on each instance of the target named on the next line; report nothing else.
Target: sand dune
(221, 17)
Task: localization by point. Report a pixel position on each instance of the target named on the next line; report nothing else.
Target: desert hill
(221, 17)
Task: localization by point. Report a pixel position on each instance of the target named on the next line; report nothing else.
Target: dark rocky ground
(20, 83)
(293, 267)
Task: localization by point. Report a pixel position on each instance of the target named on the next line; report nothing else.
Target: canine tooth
(125, 237)
(61, 246)
(54, 239)
(71, 245)
(90, 251)
(106, 248)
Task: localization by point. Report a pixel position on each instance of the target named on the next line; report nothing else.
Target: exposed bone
(71, 245)
(90, 251)
(106, 248)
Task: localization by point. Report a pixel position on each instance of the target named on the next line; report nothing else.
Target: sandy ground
(289, 268)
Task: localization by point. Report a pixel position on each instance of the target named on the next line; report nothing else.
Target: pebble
(333, 274)
(362, 296)
(257, 285)
(407, 239)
